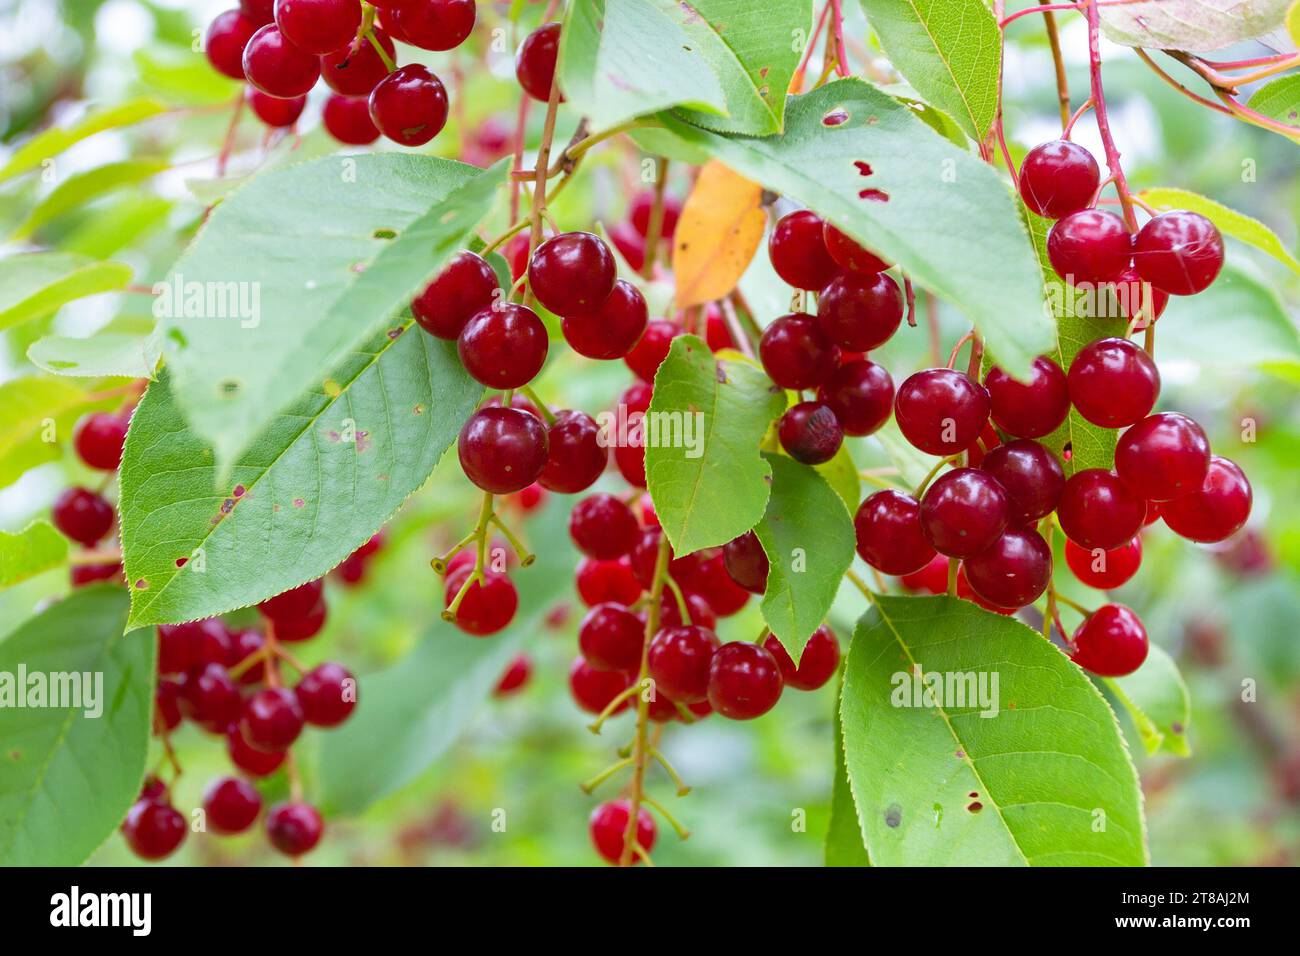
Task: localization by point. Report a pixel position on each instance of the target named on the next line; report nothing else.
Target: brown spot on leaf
(975, 806)
(394, 333)
(893, 815)
(142, 585)
(238, 491)
(181, 562)
(298, 502)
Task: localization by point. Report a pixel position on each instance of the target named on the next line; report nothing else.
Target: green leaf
(1230, 222)
(51, 142)
(295, 273)
(182, 77)
(1197, 26)
(35, 549)
(77, 190)
(1046, 780)
(117, 225)
(808, 537)
(949, 220)
(726, 63)
(950, 51)
(705, 474)
(1156, 697)
(1279, 99)
(69, 778)
(844, 844)
(912, 463)
(104, 354)
(36, 284)
(318, 483)
(39, 413)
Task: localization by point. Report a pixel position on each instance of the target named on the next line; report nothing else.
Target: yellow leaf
(720, 227)
(1293, 22)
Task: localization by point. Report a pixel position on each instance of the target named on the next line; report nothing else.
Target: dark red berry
(182, 647)
(599, 581)
(1112, 642)
(273, 111)
(251, 761)
(327, 695)
(99, 438)
(849, 255)
(262, 12)
(712, 582)
(347, 119)
(1090, 246)
(744, 681)
(294, 603)
(1131, 294)
(515, 676)
(242, 644)
(796, 353)
(861, 393)
(277, 67)
(1103, 569)
(860, 312)
(1029, 409)
(153, 789)
(294, 828)
(318, 26)
(82, 515)
(1058, 178)
(817, 662)
(504, 346)
(575, 455)
(464, 288)
(810, 433)
(1217, 510)
(502, 450)
(1179, 252)
(167, 709)
(488, 606)
(153, 830)
(940, 411)
(293, 629)
(1164, 456)
(82, 575)
(209, 697)
(409, 105)
(611, 331)
(639, 213)
(1113, 383)
(967, 593)
(645, 553)
(678, 660)
(798, 251)
(272, 719)
(697, 606)
(630, 461)
(1031, 476)
(231, 805)
(608, 826)
(225, 40)
(610, 638)
(889, 536)
(652, 348)
(629, 243)
(1013, 571)
(594, 690)
(746, 562)
(1097, 510)
(435, 24)
(516, 253)
(535, 61)
(717, 333)
(931, 579)
(963, 512)
(353, 70)
(572, 273)
(603, 527)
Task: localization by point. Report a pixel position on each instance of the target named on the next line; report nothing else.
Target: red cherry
(82, 515)
(1163, 456)
(515, 676)
(940, 411)
(327, 695)
(575, 455)
(277, 67)
(678, 660)
(1113, 383)
(502, 450)
(572, 273)
(209, 697)
(153, 830)
(744, 681)
(861, 393)
(603, 527)
(294, 603)
(649, 353)
(224, 43)
(817, 662)
(347, 119)
(697, 606)
(409, 105)
(1012, 572)
(639, 213)
(85, 574)
(504, 346)
(464, 288)
(608, 826)
(798, 251)
(231, 805)
(182, 647)
(713, 583)
(629, 243)
(355, 69)
(535, 61)
(645, 553)
(1179, 252)
(611, 331)
(610, 638)
(810, 433)
(302, 628)
(294, 828)
(849, 255)
(242, 644)
(889, 536)
(1112, 642)
(599, 581)
(967, 593)
(516, 253)
(1103, 569)
(1031, 476)
(1130, 293)
(262, 12)
(796, 353)
(1090, 246)
(1217, 510)
(488, 606)
(318, 26)
(167, 710)
(1032, 409)
(860, 312)
(273, 111)
(932, 579)
(1058, 178)
(99, 438)
(253, 762)
(1097, 510)
(630, 461)
(716, 331)
(436, 24)
(272, 719)
(594, 690)
(746, 562)
(963, 512)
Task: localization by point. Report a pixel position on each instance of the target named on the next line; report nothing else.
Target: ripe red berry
(502, 450)
(678, 660)
(849, 255)
(1217, 510)
(575, 455)
(611, 331)
(82, 515)
(1058, 178)
(225, 40)
(99, 438)
(1032, 409)
(293, 629)
(318, 26)
(796, 353)
(572, 273)
(294, 827)
(1111, 642)
(1012, 572)
(716, 331)
(712, 582)
(83, 574)
(347, 119)
(593, 690)
(931, 579)
(515, 676)
(861, 393)
(603, 527)
(465, 287)
(649, 353)
(1113, 383)
(251, 761)
(599, 581)
(231, 805)
(641, 206)
(294, 603)
(610, 638)
(504, 346)
(746, 562)
(1179, 252)
(798, 251)
(153, 830)
(327, 695)
(629, 243)
(409, 105)
(630, 461)
(967, 593)
(889, 536)
(1131, 294)
(209, 697)
(535, 61)
(242, 644)
(1031, 476)
(354, 69)
(940, 411)
(963, 512)
(1163, 456)
(262, 12)
(817, 662)
(273, 111)
(488, 606)
(810, 433)
(860, 312)
(1090, 246)
(277, 67)
(435, 24)
(744, 681)
(645, 553)
(608, 826)
(167, 710)
(182, 647)
(697, 607)
(1097, 510)
(272, 719)
(516, 252)
(1104, 569)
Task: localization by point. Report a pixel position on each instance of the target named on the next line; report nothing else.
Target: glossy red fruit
(860, 312)
(1217, 510)
(1058, 178)
(629, 243)
(99, 438)
(318, 26)
(593, 690)
(575, 455)
(327, 695)
(630, 461)
(1113, 383)
(798, 251)
(294, 603)
(678, 660)
(347, 119)
(209, 697)
(225, 40)
(231, 805)
(610, 637)
(463, 289)
(1130, 294)
(889, 536)
(608, 827)
(603, 527)
(262, 12)
(436, 24)
(1163, 456)
(810, 433)
(599, 581)
(636, 398)
(242, 644)
(488, 606)
(1103, 569)
(167, 709)
(1097, 510)
(1031, 476)
(1112, 642)
(988, 440)
(572, 273)
(1090, 246)
(153, 789)
(700, 611)
(717, 333)
(1179, 252)
(535, 61)
(645, 553)
(86, 574)
(82, 515)
(849, 255)
(504, 346)
(931, 579)
(941, 411)
(409, 105)
(302, 628)
(502, 450)
(355, 69)
(515, 676)
(1013, 571)
(277, 67)
(796, 353)
(746, 562)
(611, 331)
(963, 512)
(271, 720)
(1029, 409)
(967, 593)
(817, 662)
(153, 830)
(744, 681)
(649, 353)
(641, 206)
(861, 393)
(713, 583)
(182, 647)
(294, 828)
(273, 111)
(253, 762)
(516, 252)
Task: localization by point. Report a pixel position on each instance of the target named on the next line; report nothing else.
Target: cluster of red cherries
(83, 514)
